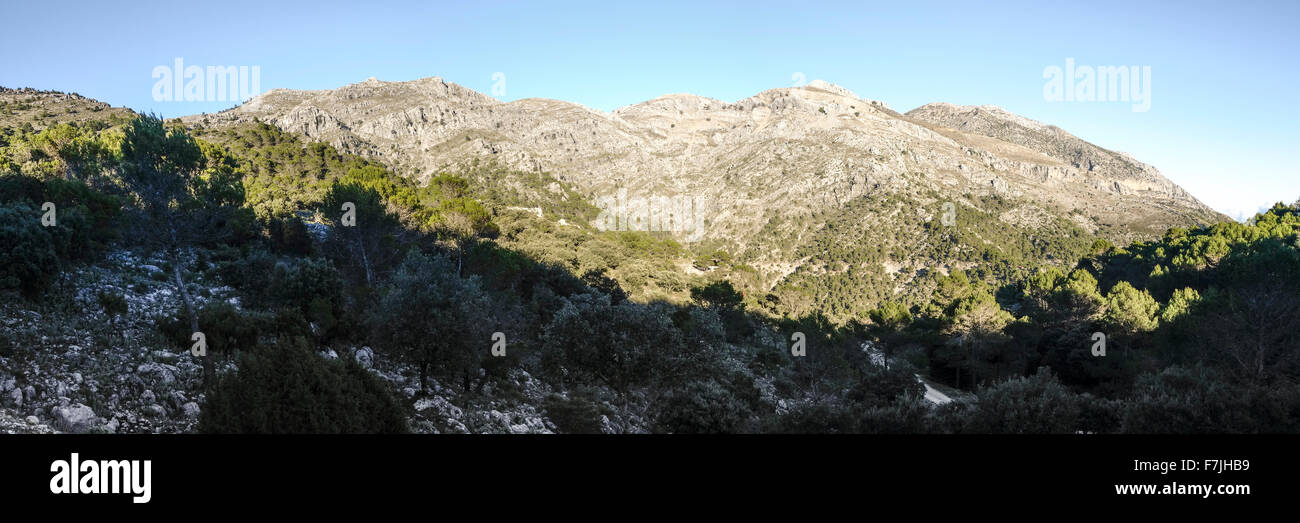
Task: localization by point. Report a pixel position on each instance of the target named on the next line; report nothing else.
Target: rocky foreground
(72, 367)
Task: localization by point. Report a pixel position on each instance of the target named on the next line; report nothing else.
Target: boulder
(157, 372)
(175, 399)
(76, 418)
(365, 356)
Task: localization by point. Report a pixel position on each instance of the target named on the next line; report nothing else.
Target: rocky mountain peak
(796, 150)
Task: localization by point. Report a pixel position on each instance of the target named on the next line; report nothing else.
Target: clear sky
(1224, 75)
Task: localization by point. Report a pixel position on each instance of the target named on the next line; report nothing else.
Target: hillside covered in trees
(333, 296)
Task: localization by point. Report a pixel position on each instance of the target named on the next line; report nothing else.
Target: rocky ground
(67, 365)
(73, 367)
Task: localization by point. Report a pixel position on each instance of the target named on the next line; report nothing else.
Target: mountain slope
(826, 200)
(1088, 164)
(797, 150)
(104, 346)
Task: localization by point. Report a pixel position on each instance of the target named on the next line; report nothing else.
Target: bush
(572, 415)
(879, 386)
(620, 346)
(85, 219)
(312, 286)
(815, 418)
(1031, 405)
(290, 236)
(288, 389)
(717, 294)
(701, 407)
(224, 327)
(1099, 415)
(436, 320)
(28, 260)
(250, 273)
(1181, 400)
(906, 415)
(113, 304)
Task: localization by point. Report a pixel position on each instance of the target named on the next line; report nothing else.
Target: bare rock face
(1116, 185)
(792, 151)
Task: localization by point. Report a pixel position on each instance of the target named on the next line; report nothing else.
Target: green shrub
(312, 286)
(28, 258)
(878, 385)
(250, 273)
(589, 341)
(702, 406)
(815, 418)
(224, 327)
(1180, 400)
(1030, 405)
(114, 304)
(289, 389)
(572, 415)
(905, 415)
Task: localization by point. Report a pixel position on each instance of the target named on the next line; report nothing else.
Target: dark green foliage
(909, 414)
(718, 294)
(250, 273)
(878, 385)
(226, 328)
(281, 174)
(313, 287)
(435, 319)
(114, 304)
(33, 253)
(1037, 404)
(28, 258)
(289, 236)
(287, 388)
(573, 415)
(366, 250)
(702, 406)
(618, 346)
(815, 418)
(597, 279)
(729, 302)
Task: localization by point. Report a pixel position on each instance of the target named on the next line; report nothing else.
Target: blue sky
(1224, 76)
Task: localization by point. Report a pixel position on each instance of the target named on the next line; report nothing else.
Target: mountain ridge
(672, 143)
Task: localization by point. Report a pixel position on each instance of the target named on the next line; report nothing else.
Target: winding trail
(932, 394)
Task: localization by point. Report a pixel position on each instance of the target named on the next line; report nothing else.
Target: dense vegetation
(331, 250)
